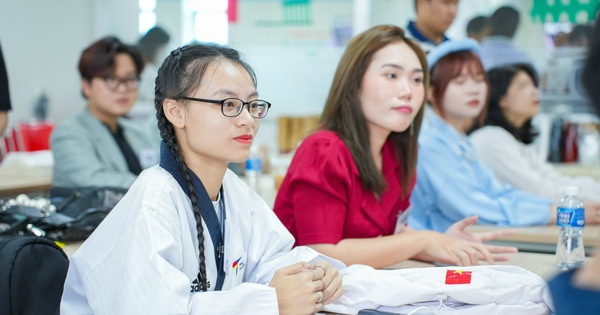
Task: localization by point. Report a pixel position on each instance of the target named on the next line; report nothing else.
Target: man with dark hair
(497, 49)
(478, 28)
(434, 17)
(100, 146)
(504, 22)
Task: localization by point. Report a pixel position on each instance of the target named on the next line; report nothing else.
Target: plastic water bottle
(254, 169)
(570, 219)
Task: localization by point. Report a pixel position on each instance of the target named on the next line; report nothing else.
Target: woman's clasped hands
(304, 288)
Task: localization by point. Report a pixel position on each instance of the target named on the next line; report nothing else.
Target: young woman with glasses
(99, 146)
(190, 237)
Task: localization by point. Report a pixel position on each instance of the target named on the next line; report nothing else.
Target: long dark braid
(178, 76)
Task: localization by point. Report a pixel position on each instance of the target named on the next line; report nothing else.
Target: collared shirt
(322, 198)
(453, 183)
(499, 50)
(425, 42)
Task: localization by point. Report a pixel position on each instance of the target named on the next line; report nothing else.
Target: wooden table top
(541, 234)
(20, 179)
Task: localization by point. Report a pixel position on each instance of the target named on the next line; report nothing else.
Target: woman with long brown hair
(347, 190)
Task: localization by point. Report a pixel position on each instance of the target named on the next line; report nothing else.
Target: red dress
(322, 199)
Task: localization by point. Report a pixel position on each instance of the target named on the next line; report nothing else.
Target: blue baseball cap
(450, 46)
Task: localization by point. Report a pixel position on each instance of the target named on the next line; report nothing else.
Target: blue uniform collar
(440, 124)
(416, 34)
(458, 141)
(169, 163)
(207, 209)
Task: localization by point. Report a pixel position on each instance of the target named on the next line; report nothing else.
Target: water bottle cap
(571, 190)
(254, 163)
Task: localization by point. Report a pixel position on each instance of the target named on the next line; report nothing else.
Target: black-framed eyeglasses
(232, 107)
(112, 82)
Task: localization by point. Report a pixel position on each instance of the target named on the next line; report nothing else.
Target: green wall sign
(574, 11)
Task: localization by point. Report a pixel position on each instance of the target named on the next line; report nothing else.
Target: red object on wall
(458, 277)
(232, 11)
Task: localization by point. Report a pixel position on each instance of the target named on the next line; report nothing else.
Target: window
(147, 18)
(200, 20)
(209, 21)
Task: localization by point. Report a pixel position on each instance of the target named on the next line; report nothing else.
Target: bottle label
(254, 164)
(573, 217)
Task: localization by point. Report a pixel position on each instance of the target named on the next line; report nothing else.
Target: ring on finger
(314, 275)
(322, 267)
(320, 293)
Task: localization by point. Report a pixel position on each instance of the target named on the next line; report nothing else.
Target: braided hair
(179, 76)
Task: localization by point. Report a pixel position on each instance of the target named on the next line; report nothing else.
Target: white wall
(42, 41)
(294, 63)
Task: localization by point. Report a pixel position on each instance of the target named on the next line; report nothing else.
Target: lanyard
(207, 210)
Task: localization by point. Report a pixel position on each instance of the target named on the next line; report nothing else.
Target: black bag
(79, 211)
(32, 274)
(69, 215)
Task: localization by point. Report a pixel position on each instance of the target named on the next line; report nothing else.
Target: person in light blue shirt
(452, 182)
(498, 48)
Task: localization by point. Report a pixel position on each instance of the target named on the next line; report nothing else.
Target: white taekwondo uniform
(143, 258)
